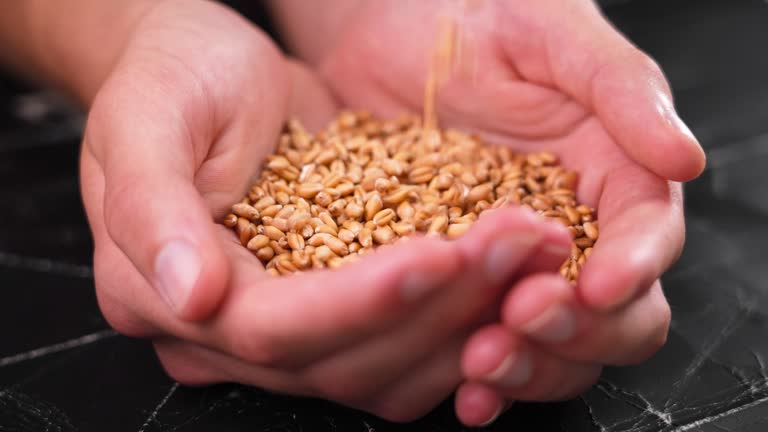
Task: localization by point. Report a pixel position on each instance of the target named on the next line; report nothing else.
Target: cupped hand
(174, 137)
(550, 75)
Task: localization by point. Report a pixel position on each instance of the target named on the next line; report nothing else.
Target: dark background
(62, 369)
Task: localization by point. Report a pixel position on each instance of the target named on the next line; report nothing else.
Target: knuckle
(114, 310)
(118, 204)
(121, 319)
(588, 380)
(647, 63)
(655, 337)
(660, 331)
(182, 370)
(261, 350)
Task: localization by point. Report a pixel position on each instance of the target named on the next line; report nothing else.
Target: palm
(506, 89)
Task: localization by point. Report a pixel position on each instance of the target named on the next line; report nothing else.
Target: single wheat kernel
(456, 230)
(354, 247)
(265, 253)
(317, 239)
(273, 233)
(403, 228)
(398, 196)
(480, 192)
(295, 241)
(365, 237)
(286, 266)
(278, 247)
(246, 211)
(438, 225)
(324, 253)
(257, 242)
(573, 216)
(590, 229)
(300, 259)
(422, 174)
(353, 226)
(373, 206)
(392, 167)
(346, 236)
(573, 269)
(323, 198)
(337, 246)
(230, 221)
(264, 203)
(280, 223)
(309, 190)
(329, 221)
(384, 217)
(354, 210)
(383, 235)
(247, 232)
(307, 231)
(337, 207)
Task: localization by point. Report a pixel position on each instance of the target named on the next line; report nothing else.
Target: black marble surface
(62, 369)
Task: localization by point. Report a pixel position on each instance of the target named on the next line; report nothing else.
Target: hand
(174, 137)
(547, 75)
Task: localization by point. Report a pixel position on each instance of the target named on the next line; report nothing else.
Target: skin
(550, 75)
(185, 97)
(182, 106)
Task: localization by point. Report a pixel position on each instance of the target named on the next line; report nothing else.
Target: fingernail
(556, 324)
(506, 253)
(416, 286)
(514, 371)
(494, 417)
(177, 268)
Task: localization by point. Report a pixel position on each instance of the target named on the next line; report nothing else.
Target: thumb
(152, 210)
(632, 98)
(591, 61)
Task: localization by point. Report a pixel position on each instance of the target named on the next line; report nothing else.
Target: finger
(297, 318)
(113, 309)
(422, 388)
(598, 67)
(552, 240)
(151, 207)
(280, 320)
(544, 308)
(642, 232)
(193, 364)
(126, 299)
(492, 252)
(551, 253)
(284, 321)
(411, 397)
(520, 371)
(477, 404)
